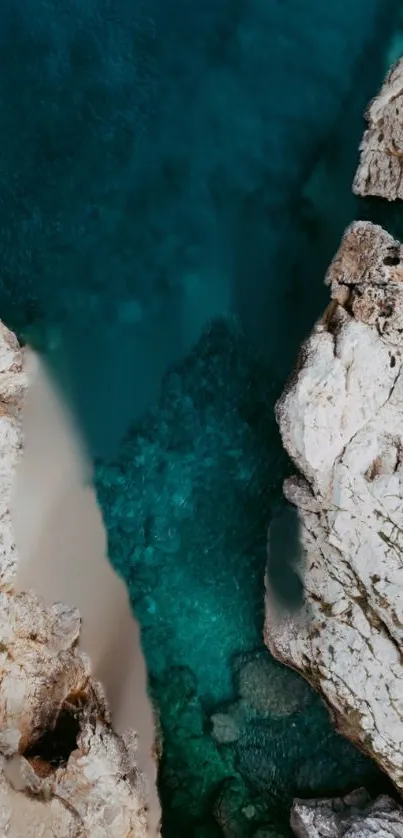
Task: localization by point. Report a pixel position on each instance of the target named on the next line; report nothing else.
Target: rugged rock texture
(380, 172)
(63, 772)
(341, 421)
(354, 816)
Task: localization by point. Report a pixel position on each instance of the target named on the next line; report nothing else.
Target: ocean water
(174, 180)
(186, 506)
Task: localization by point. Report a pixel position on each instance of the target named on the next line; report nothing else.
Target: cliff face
(62, 768)
(63, 771)
(341, 421)
(379, 173)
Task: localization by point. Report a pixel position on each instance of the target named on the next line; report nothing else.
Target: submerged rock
(265, 691)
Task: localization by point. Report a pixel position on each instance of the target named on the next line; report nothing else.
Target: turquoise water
(160, 163)
(186, 507)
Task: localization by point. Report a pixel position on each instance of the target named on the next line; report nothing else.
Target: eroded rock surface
(341, 421)
(380, 172)
(354, 816)
(63, 772)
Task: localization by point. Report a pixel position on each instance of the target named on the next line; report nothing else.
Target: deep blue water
(153, 161)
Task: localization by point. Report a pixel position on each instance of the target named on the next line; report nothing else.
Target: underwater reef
(340, 420)
(186, 509)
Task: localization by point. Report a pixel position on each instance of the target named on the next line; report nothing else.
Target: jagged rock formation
(380, 172)
(63, 772)
(341, 421)
(354, 816)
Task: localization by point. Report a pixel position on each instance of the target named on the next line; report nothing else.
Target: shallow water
(113, 211)
(186, 508)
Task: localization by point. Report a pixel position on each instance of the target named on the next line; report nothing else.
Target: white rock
(380, 172)
(353, 816)
(94, 787)
(341, 420)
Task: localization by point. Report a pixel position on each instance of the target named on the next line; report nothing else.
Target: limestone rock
(13, 384)
(341, 421)
(63, 771)
(380, 171)
(264, 690)
(354, 816)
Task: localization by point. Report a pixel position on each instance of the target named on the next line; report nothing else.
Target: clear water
(187, 506)
(161, 163)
